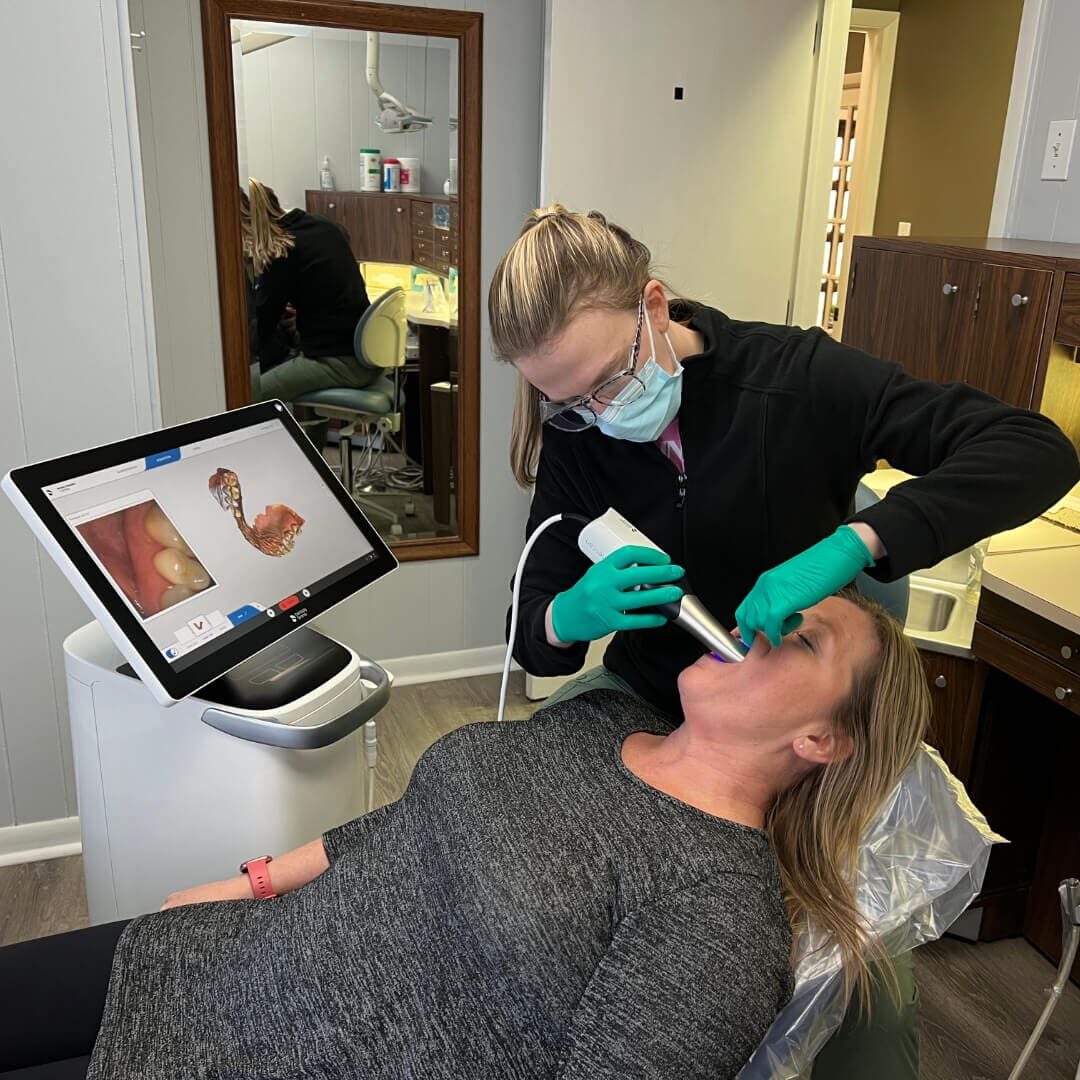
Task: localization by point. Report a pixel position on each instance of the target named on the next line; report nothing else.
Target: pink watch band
(259, 876)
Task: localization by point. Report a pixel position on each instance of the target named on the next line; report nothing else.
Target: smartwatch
(259, 877)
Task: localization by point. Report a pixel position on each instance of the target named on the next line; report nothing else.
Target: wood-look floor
(979, 1002)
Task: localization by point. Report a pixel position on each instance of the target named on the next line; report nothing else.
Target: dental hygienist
(737, 448)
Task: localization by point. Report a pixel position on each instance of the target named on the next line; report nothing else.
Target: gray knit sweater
(529, 908)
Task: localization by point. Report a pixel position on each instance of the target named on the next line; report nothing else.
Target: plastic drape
(922, 863)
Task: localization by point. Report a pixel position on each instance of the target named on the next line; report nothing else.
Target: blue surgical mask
(645, 418)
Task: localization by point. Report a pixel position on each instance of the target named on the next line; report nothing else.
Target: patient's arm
(290, 871)
(687, 989)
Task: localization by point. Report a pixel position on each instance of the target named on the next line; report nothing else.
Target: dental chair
(378, 342)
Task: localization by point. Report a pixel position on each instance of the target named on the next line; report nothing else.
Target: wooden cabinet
(411, 229)
(1010, 313)
(976, 310)
(955, 692)
(329, 204)
(1020, 739)
(378, 226)
(931, 338)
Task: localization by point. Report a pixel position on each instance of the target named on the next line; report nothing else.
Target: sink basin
(929, 609)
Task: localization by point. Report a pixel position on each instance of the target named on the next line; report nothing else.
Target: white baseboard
(40, 840)
(434, 667)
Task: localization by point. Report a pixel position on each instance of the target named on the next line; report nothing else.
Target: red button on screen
(288, 602)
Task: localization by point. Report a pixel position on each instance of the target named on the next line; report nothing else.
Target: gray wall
(308, 97)
(75, 366)
(74, 352)
(1049, 209)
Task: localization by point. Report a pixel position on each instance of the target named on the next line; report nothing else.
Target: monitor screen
(212, 545)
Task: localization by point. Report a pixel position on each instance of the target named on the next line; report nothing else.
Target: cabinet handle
(330, 205)
(948, 289)
(941, 682)
(1018, 300)
(399, 210)
(1066, 652)
(1062, 692)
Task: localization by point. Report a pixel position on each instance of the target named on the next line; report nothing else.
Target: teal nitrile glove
(604, 600)
(773, 604)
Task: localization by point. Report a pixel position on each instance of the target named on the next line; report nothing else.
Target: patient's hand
(234, 888)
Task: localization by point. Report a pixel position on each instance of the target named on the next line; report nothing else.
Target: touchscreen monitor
(198, 545)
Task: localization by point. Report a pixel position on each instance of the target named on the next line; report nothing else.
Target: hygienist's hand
(772, 606)
(234, 888)
(604, 600)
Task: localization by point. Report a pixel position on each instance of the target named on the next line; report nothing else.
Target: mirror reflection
(347, 163)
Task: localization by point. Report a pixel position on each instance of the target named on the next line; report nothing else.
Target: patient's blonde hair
(561, 263)
(816, 825)
(264, 238)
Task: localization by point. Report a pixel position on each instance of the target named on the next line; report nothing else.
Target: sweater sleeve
(554, 564)
(343, 838)
(687, 989)
(981, 466)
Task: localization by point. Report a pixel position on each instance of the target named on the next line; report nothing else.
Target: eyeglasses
(578, 413)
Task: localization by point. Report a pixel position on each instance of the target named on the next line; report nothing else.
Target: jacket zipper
(680, 501)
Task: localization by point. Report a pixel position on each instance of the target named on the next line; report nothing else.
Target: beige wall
(950, 93)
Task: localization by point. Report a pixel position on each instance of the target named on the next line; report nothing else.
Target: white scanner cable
(540, 529)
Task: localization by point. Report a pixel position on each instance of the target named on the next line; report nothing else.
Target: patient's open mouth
(146, 556)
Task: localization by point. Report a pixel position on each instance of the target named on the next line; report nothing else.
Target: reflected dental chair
(375, 411)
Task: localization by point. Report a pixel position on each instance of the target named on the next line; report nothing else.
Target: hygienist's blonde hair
(264, 239)
(561, 263)
(816, 825)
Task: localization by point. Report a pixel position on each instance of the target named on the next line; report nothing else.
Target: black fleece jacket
(320, 277)
(778, 425)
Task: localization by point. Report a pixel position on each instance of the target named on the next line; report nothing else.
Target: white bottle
(370, 169)
(326, 177)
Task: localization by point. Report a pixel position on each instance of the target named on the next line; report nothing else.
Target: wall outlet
(903, 228)
(1059, 143)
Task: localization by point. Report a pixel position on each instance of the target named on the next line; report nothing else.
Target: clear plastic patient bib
(922, 862)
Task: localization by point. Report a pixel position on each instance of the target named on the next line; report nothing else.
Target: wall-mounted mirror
(345, 162)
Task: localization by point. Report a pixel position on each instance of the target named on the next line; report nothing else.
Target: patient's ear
(823, 747)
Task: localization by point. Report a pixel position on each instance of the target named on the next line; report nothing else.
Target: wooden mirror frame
(467, 28)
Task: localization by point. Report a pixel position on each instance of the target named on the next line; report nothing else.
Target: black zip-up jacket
(320, 277)
(778, 425)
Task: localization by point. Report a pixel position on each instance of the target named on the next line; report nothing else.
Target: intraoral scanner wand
(611, 531)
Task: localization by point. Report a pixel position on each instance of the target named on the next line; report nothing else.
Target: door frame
(839, 18)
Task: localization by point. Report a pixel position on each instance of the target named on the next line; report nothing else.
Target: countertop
(1044, 579)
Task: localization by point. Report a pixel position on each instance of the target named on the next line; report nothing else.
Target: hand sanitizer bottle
(326, 177)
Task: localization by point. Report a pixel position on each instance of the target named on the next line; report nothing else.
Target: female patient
(584, 894)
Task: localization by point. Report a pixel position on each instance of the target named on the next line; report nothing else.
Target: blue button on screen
(164, 458)
(242, 614)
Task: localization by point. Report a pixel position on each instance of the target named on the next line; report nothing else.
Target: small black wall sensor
(678, 93)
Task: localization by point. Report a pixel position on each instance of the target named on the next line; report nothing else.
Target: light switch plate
(1059, 143)
(903, 228)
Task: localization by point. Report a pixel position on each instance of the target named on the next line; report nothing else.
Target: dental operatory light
(394, 118)
(598, 539)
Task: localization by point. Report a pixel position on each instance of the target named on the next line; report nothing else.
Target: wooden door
(955, 694)
(915, 310)
(378, 226)
(1010, 315)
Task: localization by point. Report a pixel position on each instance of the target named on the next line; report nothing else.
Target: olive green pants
(884, 1048)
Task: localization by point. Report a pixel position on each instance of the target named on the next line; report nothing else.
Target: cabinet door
(1011, 312)
(378, 226)
(955, 695)
(330, 204)
(912, 309)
